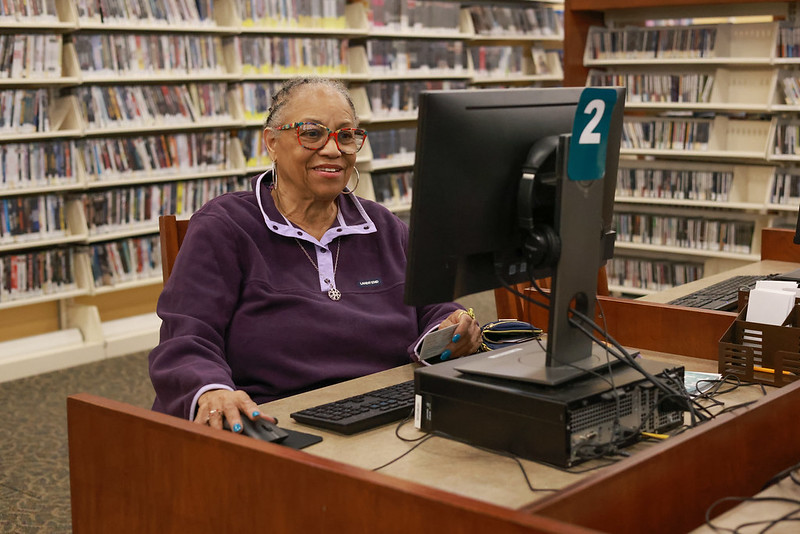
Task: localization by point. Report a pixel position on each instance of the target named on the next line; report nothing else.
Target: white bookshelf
(226, 27)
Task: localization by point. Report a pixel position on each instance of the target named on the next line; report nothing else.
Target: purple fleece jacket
(244, 308)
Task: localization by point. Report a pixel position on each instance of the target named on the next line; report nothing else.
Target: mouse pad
(299, 440)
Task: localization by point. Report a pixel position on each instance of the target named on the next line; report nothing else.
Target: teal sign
(587, 148)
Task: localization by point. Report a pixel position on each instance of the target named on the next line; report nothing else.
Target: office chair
(171, 232)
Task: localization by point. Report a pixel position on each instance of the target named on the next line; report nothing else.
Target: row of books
(785, 188)
(645, 43)
(43, 163)
(389, 98)
(256, 97)
(666, 134)
(104, 106)
(115, 209)
(29, 9)
(539, 21)
(652, 87)
(790, 85)
(402, 15)
(787, 139)
(25, 56)
(387, 144)
(292, 13)
(655, 275)
(733, 236)
(125, 260)
(676, 184)
(127, 157)
(393, 189)
(144, 55)
(27, 218)
(788, 40)
(147, 54)
(293, 55)
(24, 110)
(39, 272)
(392, 56)
(255, 152)
(498, 60)
(145, 11)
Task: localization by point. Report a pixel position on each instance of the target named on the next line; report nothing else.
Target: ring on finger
(212, 412)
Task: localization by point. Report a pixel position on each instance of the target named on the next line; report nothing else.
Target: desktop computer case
(558, 425)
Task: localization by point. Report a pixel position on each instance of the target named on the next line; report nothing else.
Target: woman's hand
(212, 405)
(466, 337)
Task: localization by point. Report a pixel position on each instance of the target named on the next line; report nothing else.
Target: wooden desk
(442, 463)
(136, 471)
(133, 470)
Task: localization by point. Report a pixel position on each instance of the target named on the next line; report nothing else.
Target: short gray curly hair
(287, 90)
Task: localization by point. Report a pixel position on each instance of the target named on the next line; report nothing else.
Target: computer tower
(560, 425)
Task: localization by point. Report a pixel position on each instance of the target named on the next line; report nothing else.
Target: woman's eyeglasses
(314, 136)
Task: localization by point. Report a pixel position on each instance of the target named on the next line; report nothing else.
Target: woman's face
(316, 174)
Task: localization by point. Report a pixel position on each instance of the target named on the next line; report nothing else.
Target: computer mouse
(260, 429)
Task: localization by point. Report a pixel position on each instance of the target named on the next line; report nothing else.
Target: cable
(499, 453)
(770, 522)
(400, 425)
(620, 352)
(618, 438)
(409, 451)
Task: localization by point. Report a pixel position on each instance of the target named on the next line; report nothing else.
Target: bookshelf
(143, 108)
(710, 128)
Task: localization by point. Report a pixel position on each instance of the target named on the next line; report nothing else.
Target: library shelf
(748, 80)
(17, 190)
(125, 284)
(226, 28)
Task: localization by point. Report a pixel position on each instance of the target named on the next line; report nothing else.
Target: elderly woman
(292, 286)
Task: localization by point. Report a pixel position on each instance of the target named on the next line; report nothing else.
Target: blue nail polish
(237, 427)
(456, 338)
(445, 355)
(256, 413)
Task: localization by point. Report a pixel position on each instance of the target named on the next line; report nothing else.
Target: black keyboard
(361, 412)
(723, 295)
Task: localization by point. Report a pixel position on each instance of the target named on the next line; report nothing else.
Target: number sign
(587, 148)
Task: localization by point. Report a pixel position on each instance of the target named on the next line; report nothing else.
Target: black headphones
(537, 189)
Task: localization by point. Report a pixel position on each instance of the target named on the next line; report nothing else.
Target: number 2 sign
(587, 148)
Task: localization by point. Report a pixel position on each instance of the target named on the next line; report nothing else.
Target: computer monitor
(492, 201)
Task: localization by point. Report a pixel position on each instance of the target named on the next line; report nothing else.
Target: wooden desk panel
(136, 471)
(650, 324)
(639, 324)
(668, 488)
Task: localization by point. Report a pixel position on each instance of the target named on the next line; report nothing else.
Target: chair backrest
(171, 232)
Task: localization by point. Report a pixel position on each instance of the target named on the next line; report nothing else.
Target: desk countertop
(442, 463)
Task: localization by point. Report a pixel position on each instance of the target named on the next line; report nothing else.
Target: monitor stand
(570, 353)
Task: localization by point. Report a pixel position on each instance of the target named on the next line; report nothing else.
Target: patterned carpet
(34, 458)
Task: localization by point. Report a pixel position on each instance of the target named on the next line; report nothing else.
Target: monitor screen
(471, 147)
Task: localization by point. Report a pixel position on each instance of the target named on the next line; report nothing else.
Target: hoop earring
(274, 185)
(358, 180)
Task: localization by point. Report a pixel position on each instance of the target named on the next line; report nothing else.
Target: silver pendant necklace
(333, 293)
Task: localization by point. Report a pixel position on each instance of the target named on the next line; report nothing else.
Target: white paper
(767, 306)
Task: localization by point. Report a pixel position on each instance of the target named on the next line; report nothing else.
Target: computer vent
(636, 408)
(597, 414)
